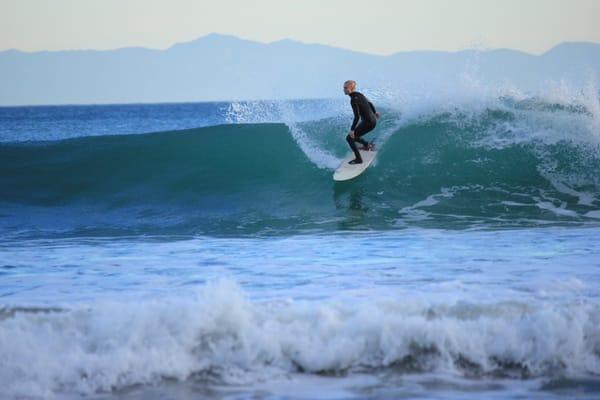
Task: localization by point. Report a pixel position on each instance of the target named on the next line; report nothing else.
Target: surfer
(364, 110)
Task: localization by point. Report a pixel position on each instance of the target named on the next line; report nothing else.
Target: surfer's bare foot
(355, 161)
(368, 147)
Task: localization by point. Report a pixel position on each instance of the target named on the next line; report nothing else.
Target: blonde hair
(351, 83)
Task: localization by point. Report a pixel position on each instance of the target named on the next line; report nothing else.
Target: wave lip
(223, 335)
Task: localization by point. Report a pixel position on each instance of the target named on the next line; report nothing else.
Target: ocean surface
(202, 250)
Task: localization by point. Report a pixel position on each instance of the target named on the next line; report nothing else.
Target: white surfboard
(348, 171)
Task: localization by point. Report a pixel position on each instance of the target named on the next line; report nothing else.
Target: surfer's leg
(361, 130)
(352, 144)
(361, 141)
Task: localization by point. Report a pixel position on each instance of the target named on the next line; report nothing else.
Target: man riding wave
(365, 111)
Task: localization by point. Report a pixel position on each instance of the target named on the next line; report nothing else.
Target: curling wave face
(516, 163)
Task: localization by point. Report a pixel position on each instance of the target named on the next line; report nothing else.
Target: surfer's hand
(377, 115)
(351, 134)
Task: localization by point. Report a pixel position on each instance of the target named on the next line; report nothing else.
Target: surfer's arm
(356, 114)
(374, 110)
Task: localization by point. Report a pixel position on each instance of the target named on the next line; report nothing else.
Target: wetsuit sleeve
(372, 107)
(355, 110)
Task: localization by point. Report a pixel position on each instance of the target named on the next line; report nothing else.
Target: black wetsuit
(364, 110)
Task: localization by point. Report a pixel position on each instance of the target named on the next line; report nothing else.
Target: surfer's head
(349, 86)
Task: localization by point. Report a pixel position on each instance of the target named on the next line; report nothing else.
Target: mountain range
(223, 67)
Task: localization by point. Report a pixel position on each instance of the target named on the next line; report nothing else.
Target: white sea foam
(223, 333)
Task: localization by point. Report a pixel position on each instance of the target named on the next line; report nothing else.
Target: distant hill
(223, 67)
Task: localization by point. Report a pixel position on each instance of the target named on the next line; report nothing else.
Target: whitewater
(202, 250)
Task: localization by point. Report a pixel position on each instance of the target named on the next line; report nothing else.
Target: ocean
(202, 250)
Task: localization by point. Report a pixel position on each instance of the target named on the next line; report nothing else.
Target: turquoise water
(203, 251)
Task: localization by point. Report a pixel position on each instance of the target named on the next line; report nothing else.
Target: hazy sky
(373, 26)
